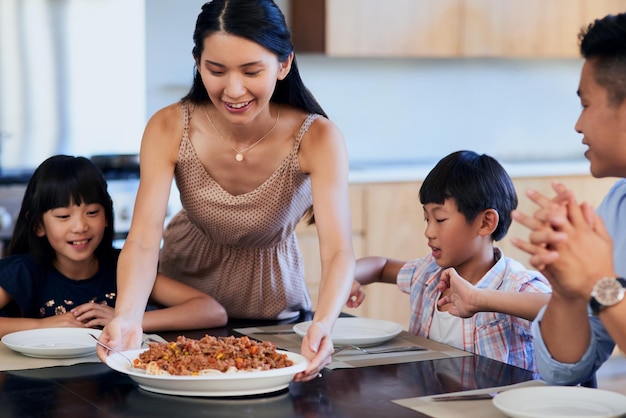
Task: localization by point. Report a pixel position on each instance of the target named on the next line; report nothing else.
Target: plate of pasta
(210, 367)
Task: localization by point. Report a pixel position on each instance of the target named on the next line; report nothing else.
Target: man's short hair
(603, 43)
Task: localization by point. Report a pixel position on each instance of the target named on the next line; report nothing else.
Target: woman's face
(74, 232)
(239, 76)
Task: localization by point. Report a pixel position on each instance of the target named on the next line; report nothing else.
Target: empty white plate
(358, 331)
(560, 402)
(53, 342)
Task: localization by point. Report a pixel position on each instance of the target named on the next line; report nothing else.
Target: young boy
(467, 200)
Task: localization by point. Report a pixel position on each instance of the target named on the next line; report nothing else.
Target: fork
(108, 347)
(379, 350)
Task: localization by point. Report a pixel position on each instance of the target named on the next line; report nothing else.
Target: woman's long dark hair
(262, 22)
(57, 182)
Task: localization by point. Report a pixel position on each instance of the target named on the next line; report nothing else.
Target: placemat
(290, 341)
(467, 409)
(12, 360)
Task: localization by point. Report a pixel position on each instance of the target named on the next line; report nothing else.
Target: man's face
(603, 126)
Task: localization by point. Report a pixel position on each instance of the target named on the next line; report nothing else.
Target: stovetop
(21, 176)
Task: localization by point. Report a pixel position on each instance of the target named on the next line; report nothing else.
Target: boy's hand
(458, 292)
(356, 296)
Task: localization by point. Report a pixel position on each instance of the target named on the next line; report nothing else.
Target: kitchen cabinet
(444, 28)
(529, 28)
(387, 220)
(368, 28)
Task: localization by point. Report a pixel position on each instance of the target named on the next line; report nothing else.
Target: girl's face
(239, 76)
(74, 232)
(454, 242)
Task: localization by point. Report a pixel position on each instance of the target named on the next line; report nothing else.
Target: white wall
(405, 109)
(72, 78)
(108, 72)
(128, 58)
(416, 109)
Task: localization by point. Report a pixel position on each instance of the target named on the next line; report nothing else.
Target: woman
(252, 152)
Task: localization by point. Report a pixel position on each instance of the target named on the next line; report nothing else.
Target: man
(569, 243)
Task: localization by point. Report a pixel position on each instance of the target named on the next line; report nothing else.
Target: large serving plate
(560, 402)
(142, 403)
(223, 384)
(358, 331)
(53, 342)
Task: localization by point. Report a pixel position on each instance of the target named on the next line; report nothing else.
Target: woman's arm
(185, 308)
(138, 260)
(324, 156)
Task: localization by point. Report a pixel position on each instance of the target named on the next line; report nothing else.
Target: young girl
(61, 268)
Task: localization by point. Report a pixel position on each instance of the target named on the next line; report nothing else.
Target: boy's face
(603, 126)
(454, 242)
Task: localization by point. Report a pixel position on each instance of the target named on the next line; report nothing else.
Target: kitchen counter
(388, 172)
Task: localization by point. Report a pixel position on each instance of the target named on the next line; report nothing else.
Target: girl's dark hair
(259, 21)
(59, 181)
(476, 183)
(603, 42)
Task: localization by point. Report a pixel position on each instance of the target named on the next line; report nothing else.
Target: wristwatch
(607, 292)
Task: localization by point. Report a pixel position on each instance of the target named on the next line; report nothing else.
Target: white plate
(358, 331)
(227, 384)
(53, 342)
(560, 402)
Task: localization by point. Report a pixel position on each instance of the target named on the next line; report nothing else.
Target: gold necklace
(240, 152)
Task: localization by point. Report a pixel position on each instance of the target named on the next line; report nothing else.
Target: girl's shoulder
(19, 267)
(18, 261)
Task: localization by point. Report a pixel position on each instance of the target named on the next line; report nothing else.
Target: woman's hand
(462, 295)
(356, 295)
(94, 314)
(122, 333)
(317, 347)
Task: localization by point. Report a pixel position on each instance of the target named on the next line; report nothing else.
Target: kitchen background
(83, 77)
(407, 81)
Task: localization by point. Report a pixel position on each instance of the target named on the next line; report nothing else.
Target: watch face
(608, 291)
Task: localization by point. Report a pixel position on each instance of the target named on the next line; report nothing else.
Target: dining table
(380, 387)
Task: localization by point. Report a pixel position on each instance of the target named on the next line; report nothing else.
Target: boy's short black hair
(476, 182)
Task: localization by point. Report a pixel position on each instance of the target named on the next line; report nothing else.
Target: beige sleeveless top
(241, 250)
